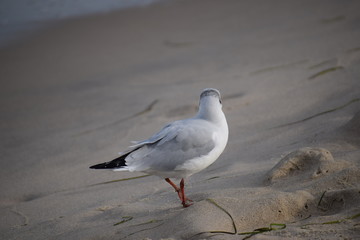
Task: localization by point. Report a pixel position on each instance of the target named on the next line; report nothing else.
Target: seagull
(181, 148)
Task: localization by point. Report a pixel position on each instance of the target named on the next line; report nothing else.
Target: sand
(77, 93)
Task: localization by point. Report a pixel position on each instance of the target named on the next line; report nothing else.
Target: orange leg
(180, 191)
(175, 187)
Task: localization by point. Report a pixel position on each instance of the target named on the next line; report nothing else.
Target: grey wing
(164, 133)
(180, 142)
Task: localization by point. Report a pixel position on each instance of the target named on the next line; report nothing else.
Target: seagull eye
(220, 101)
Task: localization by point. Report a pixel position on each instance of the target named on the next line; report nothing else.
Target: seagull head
(210, 95)
(210, 104)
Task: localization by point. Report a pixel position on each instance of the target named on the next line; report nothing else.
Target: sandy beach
(76, 93)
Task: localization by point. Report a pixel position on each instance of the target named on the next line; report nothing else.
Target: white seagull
(181, 148)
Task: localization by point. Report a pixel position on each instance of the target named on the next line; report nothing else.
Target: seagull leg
(175, 187)
(184, 198)
(180, 191)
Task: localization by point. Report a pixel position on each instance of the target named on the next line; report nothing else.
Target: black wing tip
(99, 166)
(116, 163)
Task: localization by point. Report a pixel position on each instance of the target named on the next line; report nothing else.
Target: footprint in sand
(306, 163)
(335, 201)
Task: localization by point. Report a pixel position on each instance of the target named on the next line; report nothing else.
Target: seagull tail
(114, 164)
